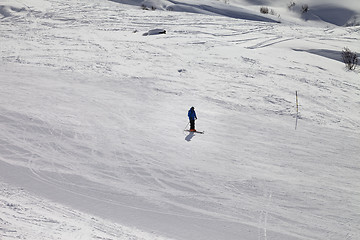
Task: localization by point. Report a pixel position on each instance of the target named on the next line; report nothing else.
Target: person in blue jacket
(192, 118)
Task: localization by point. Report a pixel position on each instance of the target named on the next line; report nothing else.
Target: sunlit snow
(94, 98)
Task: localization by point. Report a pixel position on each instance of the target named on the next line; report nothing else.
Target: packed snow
(94, 99)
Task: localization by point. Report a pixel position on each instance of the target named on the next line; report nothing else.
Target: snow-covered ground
(93, 110)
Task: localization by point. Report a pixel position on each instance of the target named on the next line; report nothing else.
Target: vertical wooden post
(297, 109)
(297, 103)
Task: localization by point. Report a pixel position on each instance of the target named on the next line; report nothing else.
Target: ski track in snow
(92, 113)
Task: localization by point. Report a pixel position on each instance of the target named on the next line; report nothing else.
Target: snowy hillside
(94, 104)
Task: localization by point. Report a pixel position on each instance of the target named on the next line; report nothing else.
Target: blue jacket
(192, 114)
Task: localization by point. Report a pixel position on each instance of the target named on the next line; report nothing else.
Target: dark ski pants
(192, 124)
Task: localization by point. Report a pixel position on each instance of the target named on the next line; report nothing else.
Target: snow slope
(24, 216)
(92, 116)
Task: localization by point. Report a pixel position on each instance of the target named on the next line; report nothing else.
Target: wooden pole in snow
(297, 103)
(297, 109)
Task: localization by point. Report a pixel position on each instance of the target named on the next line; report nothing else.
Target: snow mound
(210, 8)
(222, 10)
(8, 11)
(336, 15)
(321, 11)
(353, 21)
(9, 8)
(331, 54)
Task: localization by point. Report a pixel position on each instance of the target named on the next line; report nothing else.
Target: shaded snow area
(94, 98)
(323, 12)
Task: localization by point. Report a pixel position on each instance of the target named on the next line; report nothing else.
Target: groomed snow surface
(94, 104)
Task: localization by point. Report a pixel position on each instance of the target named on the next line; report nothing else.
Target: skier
(192, 118)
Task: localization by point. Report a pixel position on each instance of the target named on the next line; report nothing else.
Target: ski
(201, 132)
